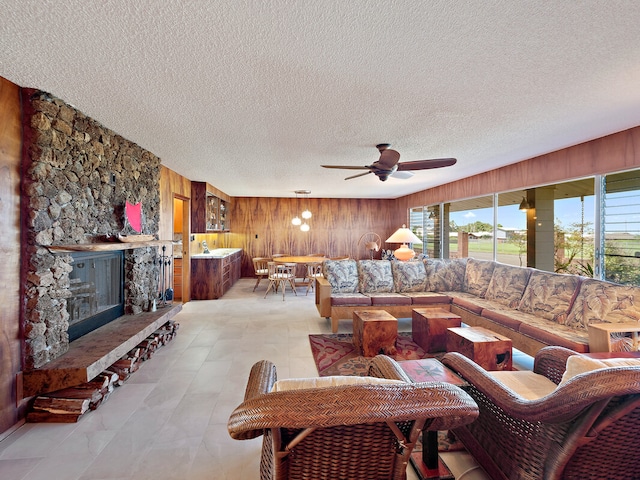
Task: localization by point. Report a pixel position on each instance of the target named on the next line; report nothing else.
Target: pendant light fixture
(306, 214)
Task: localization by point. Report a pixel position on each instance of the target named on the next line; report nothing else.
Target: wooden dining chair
(279, 275)
(261, 269)
(314, 271)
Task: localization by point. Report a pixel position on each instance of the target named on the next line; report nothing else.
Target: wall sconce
(306, 214)
(404, 236)
(525, 205)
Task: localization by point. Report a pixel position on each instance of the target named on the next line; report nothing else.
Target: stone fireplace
(77, 176)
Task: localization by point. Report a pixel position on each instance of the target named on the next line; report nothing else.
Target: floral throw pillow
(445, 275)
(409, 276)
(375, 276)
(342, 275)
(478, 275)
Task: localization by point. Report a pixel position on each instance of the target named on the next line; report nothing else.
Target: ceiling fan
(388, 164)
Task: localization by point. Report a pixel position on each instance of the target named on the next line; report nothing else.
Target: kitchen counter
(214, 273)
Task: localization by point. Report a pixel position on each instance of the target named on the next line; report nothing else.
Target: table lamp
(403, 236)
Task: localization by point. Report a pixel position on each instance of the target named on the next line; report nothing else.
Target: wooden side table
(600, 339)
(429, 327)
(374, 331)
(486, 348)
(427, 463)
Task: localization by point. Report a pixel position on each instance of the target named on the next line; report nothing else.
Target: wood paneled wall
(171, 184)
(174, 185)
(10, 339)
(262, 226)
(616, 152)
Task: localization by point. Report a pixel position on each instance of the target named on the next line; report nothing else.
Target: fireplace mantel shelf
(106, 246)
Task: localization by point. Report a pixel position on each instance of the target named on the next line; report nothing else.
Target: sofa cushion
(330, 381)
(578, 364)
(507, 284)
(503, 317)
(551, 333)
(599, 301)
(374, 276)
(444, 274)
(409, 276)
(549, 295)
(342, 275)
(525, 383)
(428, 298)
(349, 299)
(389, 299)
(467, 301)
(477, 276)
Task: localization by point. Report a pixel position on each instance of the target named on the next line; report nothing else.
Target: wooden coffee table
(374, 331)
(600, 339)
(429, 327)
(486, 348)
(427, 463)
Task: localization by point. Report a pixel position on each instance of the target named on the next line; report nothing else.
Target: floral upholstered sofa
(532, 307)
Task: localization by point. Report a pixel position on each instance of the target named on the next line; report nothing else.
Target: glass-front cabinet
(209, 210)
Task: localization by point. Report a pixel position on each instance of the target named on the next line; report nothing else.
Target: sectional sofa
(532, 307)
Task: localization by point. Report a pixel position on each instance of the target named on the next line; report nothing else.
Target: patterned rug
(334, 354)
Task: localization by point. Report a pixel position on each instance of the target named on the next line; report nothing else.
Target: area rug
(335, 354)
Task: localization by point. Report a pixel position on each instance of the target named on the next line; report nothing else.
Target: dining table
(300, 260)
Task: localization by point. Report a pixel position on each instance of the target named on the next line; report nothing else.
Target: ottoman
(429, 327)
(374, 331)
(489, 350)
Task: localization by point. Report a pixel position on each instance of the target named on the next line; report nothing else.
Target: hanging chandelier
(306, 214)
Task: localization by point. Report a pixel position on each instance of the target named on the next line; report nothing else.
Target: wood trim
(12, 410)
(613, 153)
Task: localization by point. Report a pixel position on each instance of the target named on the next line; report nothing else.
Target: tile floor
(169, 420)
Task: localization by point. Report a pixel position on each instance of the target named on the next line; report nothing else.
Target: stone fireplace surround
(76, 177)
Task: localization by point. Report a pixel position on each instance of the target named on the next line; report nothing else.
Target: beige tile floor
(169, 420)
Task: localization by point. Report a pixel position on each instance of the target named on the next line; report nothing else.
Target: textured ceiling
(252, 96)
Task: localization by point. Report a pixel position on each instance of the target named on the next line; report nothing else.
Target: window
(621, 227)
(470, 228)
(511, 229)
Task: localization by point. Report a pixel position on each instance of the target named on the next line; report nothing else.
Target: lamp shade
(403, 235)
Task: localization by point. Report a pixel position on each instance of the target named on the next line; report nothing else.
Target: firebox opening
(96, 284)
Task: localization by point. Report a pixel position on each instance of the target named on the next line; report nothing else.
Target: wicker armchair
(344, 432)
(585, 428)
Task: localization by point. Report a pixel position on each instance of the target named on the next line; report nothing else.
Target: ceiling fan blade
(347, 167)
(402, 175)
(358, 175)
(388, 159)
(427, 164)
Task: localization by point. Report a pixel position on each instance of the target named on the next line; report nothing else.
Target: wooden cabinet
(209, 209)
(212, 277)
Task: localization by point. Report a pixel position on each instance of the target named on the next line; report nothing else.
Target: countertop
(217, 253)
